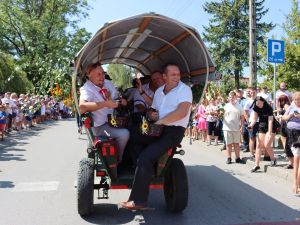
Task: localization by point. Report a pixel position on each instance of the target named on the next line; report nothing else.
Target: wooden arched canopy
(147, 42)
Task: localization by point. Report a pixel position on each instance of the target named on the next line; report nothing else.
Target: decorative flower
(113, 121)
(145, 126)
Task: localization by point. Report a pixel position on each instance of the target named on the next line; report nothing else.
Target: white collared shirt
(90, 92)
(168, 103)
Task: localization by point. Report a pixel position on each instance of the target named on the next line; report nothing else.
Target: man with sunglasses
(97, 96)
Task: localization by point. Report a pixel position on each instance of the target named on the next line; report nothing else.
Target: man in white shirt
(173, 103)
(248, 108)
(232, 126)
(96, 96)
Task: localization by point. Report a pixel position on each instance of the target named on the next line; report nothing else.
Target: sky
(189, 12)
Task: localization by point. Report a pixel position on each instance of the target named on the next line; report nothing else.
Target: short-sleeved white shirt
(232, 117)
(137, 95)
(90, 92)
(168, 103)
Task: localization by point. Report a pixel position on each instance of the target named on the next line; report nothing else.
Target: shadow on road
(215, 198)
(6, 184)
(15, 143)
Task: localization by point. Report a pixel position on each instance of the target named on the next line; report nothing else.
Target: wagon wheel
(176, 186)
(85, 187)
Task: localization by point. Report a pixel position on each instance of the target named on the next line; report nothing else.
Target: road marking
(36, 186)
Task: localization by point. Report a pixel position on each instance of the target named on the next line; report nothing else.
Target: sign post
(275, 55)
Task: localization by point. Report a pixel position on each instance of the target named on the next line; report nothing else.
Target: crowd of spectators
(24, 111)
(248, 121)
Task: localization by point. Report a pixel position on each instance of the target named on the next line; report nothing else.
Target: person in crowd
(292, 118)
(284, 104)
(195, 133)
(232, 126)
(43, 110)
(97, 96)
(245, 136)
(8, 100)
(267, 127)
(248, 109)
(211, 119)
(240, 97)
(282, 91)
(247, 94)
(172, 104)
(202, 124)
(146, 92)
(241, 100)
(7, 110)
(265, 94)
(130, 92)
(3, 117)
(219, 125)
(296, 152)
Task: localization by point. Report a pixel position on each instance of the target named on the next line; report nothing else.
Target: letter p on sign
(276, 47)
(275, 51)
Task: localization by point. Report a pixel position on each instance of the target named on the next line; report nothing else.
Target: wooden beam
(102, 38)
(199, 72)
(142, 27)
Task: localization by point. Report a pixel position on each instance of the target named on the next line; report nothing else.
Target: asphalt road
(39, 169)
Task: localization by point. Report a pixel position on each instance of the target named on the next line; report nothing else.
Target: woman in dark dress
(267, 127)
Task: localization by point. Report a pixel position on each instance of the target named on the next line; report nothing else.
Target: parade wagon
(146, 43)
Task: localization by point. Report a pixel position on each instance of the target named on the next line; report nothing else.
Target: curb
(278, 171)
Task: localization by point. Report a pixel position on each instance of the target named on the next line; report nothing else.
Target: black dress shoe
(254, 169)
(267, 158)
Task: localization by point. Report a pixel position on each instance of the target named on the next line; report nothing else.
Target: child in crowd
(3, 117)
(202, 124)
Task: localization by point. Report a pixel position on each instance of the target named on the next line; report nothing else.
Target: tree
(121, 75)
(43, 36)
(228, 33)
(12, 78)
(288, 72)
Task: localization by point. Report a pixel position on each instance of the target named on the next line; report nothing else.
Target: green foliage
(227, 85)
(43, 37)
(121, 75)
(228, 33)
(12, 78)
(197, 92)
(292, 24)
(213, 91)
(288, 72)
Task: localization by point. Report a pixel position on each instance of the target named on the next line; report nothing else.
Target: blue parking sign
(275, 51)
